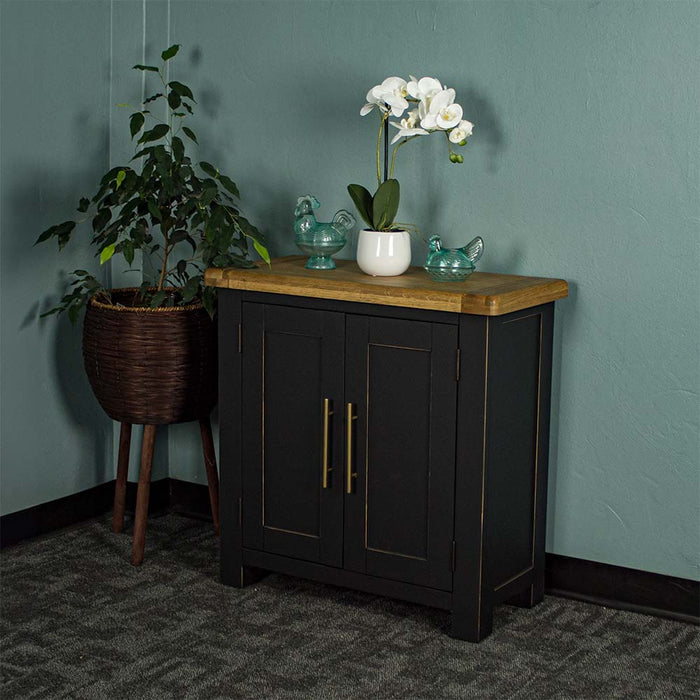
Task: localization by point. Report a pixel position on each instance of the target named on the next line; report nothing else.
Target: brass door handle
(350, 474)
(327, 413)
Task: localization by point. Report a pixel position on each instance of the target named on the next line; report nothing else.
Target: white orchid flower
(389, 96)
(407, 127)
(394, 85)
(424, 88)
(412, 119)
(441, 112)
(423, 109)
(372, 102)
(449, 117)
(462, 131)
(435, 111)
(430, 108)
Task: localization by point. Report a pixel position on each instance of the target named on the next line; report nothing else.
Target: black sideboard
(387, 434)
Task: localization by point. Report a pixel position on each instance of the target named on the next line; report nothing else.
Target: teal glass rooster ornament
(452, 264)
(317, 239)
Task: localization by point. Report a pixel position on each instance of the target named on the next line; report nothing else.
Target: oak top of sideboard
(482, 293)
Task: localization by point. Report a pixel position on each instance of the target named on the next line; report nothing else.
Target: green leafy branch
(166, 203)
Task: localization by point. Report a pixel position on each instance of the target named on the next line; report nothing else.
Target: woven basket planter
(150, 366)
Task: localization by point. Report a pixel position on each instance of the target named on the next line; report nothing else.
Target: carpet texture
(77, 621)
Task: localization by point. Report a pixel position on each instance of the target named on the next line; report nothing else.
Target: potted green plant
(150, 352)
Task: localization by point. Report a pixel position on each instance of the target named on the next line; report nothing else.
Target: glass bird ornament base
(318, 262)
(452, 264)
(320, 258)
(448, 274)
(317, 239)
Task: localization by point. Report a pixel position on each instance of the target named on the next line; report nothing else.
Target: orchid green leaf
(385, 204)
(363, 201)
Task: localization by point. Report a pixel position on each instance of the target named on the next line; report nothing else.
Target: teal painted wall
(584, 165)
(54, 142)
(64, 66)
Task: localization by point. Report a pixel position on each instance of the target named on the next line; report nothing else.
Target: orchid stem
(379, 148)
(386, 153)
(449, 145)
(396, 148)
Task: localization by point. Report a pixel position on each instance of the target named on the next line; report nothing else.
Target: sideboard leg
(472, 605)
(524, 599)
(122, 470)
(210, 464)
(538, 587)
(472, 625)
(142, 495)
(252, 575)
(230, 568)
(242, 576)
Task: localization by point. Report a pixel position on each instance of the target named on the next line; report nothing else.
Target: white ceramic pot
(383, 253)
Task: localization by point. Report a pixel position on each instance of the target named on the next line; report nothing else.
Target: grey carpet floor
(77, 621)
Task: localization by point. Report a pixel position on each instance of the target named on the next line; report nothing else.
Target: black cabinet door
(400, 383)
(292, 362)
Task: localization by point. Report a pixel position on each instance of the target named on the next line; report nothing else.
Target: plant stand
(144, 487)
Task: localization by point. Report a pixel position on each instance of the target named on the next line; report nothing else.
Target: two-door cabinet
(387, 434)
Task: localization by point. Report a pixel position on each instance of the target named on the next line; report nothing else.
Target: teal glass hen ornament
(317, 239)
(452, 264)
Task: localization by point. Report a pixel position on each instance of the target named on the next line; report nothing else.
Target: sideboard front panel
(401, 376)
(287, 376)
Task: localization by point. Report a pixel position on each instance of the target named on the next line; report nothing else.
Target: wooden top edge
(483, 293)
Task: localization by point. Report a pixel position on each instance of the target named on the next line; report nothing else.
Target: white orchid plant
(434, 111)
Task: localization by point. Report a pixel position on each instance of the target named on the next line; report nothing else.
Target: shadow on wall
(441, 192)
(76, 405)
(479, 110)
(564, 311)
(209, 97)
(80, 406)
(217, 146)
(506, 262)
(40, 198)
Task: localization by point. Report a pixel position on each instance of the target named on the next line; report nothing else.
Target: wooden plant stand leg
(141, 515)
(210, 464)
(122, 471)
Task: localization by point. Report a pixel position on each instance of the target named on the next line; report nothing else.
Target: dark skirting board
(603, 584)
